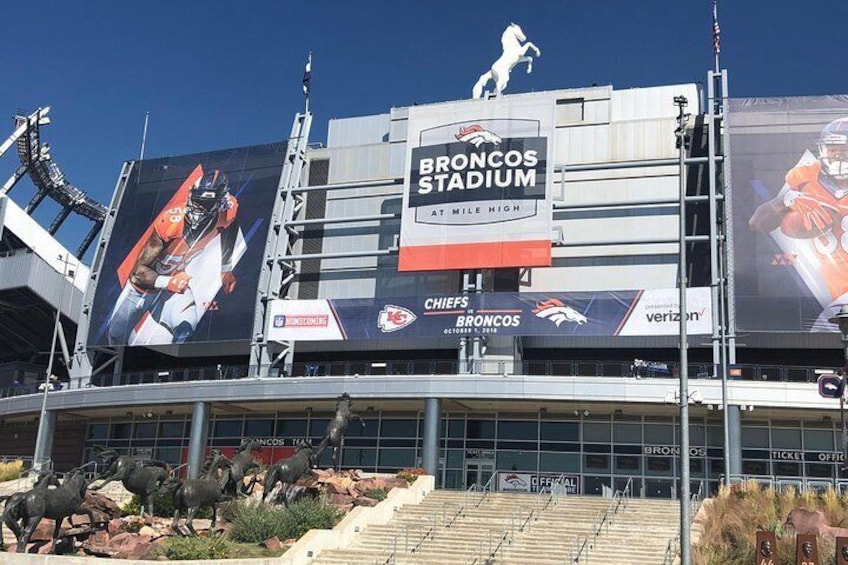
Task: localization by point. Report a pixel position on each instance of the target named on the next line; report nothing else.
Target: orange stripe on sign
(532, 253)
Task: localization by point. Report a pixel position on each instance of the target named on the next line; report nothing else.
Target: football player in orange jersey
(179, 236)
(811, 212)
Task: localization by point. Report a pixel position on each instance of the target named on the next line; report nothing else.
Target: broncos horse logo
(477, 136)
(557, 312)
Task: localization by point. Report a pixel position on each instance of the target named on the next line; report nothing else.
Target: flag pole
(144, 136)
(716, 37)
(307, 75)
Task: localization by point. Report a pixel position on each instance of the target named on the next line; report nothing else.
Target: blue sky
(217, 74)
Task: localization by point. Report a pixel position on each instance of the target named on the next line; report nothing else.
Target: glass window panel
(359, 457)
(597, 431)
(317, 427)
(397, 458)
(755, 437)
(787, 469)
(818, 440)
(516, 460)
(628, 433)
(98, 431)
(481, 429)
(227, 428)
(456, 428)
(715, 436)
(820, 470)
(356, 429)
(170, 455)
(785, 439)
(510, 429)
(596, 463)
(696, 467)
(716, 467)
(559, 462)
(453, 480)
(628, 463)
(560, 431)
(147, 430)
(659, 434)
(455, 458)
(172, 429)
(755, 468)
(399, 428)
(291, 428)
(659, 466)
(697, 435)
(122, 430)
(259, 428)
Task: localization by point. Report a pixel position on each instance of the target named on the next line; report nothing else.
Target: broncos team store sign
(608, 313)
(476, 187)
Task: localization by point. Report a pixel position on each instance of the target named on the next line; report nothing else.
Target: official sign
(630, 312)
(514, 481)
(476, 191)
(831, 386)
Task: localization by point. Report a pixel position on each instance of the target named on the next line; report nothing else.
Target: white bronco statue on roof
(514, 52)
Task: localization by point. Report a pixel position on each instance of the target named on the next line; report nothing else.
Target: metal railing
(780, 482)
(605, 518)
(672, 548)
(564, 368)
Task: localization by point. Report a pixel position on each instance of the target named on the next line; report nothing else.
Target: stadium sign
(515, 481)
(631, 312)
(477, 187)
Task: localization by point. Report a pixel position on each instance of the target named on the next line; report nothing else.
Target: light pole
(680, 132)
(42, 440)
(841, 320)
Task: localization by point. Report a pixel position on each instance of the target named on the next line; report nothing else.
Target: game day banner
(635, 312)
(476, 191)
(790, 211)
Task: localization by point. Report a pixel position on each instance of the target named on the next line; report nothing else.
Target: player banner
(184, 257)
(632, 312)
(790, 211)
(476, 191)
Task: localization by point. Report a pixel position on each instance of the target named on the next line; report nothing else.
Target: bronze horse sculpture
(193, 494)
(140, 477)
(238, 468)
(12, 511)
(287, 471)
(56, 504)
(337, 427)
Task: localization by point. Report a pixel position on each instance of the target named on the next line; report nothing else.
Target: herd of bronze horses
(221, 480)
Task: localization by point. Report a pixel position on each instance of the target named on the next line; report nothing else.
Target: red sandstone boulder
(273, 544)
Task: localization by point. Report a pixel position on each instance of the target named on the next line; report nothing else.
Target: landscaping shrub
(307, 514)
(730, 520)
(253, 524)
(12, 470)
(410, 474)
(178, 548)
(376, 493)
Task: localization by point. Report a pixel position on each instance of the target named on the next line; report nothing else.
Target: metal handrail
(602, 521)
(671, 549)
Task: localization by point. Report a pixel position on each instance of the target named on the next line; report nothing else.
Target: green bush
(411, 474)
(12, 470)
(307, 514)
(178, 548)
(253, 524)
(376, 493)
(163, 506)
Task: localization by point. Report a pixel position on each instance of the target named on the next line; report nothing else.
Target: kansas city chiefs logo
(557, 312)
(393, 318)
(477, 136)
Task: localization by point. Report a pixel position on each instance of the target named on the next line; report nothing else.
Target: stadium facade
(494, 282)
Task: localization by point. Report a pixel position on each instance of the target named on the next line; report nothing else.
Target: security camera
(697, 397)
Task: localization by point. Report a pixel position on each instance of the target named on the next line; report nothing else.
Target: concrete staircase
(449, 528)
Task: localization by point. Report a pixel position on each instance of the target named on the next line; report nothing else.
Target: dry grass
(732, 518)
(11, 470)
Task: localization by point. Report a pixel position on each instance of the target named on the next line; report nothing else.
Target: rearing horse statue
(514, 52)
(336, 428)
(237, 469)
(140, 477)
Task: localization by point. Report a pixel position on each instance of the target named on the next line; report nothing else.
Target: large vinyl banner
(476, 189)
(184, 257)
(630, 312)
(789, 159)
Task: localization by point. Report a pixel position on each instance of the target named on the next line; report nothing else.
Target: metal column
(432, 425)
(44, 440)
(197, 441)
(277, 272)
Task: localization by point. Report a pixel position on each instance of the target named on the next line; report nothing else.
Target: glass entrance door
(478, 471)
